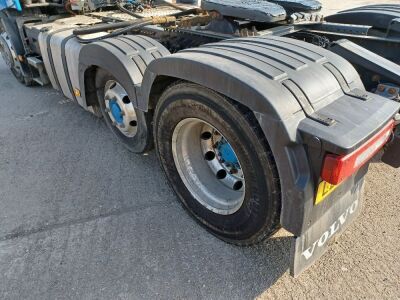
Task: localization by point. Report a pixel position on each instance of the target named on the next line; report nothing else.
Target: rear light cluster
(336, 168)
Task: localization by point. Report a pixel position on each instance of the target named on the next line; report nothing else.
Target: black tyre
(130, 125)
(218, 162)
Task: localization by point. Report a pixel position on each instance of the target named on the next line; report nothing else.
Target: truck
(264, 114)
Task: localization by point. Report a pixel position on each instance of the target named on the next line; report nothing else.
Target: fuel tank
(60, 53)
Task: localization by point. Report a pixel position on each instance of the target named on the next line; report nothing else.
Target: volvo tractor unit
(264, 114)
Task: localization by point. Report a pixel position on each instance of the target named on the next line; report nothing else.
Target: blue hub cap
(227, 154)
(116, 111)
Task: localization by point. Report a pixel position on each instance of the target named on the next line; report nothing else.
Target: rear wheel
(128, 124)
(218, 162)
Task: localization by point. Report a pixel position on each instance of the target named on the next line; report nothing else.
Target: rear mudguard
(125, 57)
(379, 16)
(383, 38)
(306, 99)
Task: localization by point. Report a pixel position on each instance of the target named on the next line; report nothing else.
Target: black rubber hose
(126, 26)
(183, 12)
(104, 27)
(133, 14)
(127, 11)
(116, 32)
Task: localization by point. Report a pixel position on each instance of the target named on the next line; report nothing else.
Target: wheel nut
(238, 185)
(206, 135)
(221, 174)
(210, 155)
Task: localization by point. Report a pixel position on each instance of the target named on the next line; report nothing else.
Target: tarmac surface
(82, 218)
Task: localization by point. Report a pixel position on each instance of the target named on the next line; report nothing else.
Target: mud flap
(310, 246)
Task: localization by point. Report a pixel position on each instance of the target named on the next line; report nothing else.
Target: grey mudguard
(125, 57)
(378, 16)
(303, 97)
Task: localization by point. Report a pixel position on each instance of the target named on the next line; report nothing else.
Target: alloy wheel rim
(208, 166)
(120, 109)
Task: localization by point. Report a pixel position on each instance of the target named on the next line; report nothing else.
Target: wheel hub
(116, 112)
(120, 109)
(208, 166)
(226, 155)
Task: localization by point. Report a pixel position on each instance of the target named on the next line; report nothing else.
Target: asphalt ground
(82, 218)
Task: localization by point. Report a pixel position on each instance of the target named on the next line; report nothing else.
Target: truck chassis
(264, 114)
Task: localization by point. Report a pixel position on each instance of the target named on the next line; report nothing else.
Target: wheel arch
(162, 72)
(125, 58)
(278, 119)
(102, 55)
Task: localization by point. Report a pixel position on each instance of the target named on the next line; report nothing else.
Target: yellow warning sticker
(324, 190)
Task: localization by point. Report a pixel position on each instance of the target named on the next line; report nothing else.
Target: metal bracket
(39, 66)
(305, 104)
(356, 93)
(359, 94)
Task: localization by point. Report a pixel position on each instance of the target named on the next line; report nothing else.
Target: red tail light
(338, 168)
